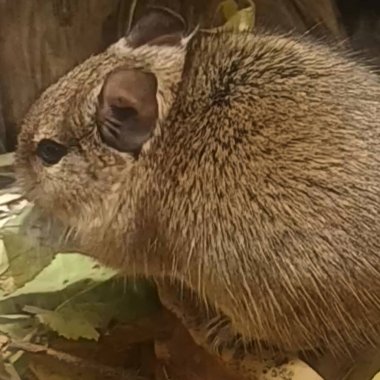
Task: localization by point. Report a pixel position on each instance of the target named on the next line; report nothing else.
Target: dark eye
(50, 151)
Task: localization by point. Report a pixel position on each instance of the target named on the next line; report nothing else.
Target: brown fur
(260, 190)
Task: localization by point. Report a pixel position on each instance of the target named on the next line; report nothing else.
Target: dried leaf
(229, 8)
(242, 20)
(7, 159)
(12, 371)
(8, 198)
(4, 374)
(235, 19)
(17, 328)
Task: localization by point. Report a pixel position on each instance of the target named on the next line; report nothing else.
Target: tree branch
(107, 371)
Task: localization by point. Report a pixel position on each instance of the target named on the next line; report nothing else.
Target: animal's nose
(50, 152)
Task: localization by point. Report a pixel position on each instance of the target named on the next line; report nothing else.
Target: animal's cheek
(24, 153)
(27, 173)
(48, 180)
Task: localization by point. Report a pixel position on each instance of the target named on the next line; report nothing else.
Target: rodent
(243, 166)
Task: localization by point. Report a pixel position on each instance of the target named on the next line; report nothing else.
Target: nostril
(50, 152)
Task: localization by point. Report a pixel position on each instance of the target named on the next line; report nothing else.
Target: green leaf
(75, 296)
(22, 256)
(65, 270)
(70, 323)
(82, 315)
(69, 293)
(68, 276)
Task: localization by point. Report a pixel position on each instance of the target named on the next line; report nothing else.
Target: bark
(42, 39)
(2, 131)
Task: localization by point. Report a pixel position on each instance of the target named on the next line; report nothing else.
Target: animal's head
(92, 125)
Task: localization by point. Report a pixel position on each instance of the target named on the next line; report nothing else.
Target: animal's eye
(50, 152)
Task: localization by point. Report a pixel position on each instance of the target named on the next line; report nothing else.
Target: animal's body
(252, 180)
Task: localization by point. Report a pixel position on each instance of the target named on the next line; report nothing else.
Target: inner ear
(158, 26)
(128, 109)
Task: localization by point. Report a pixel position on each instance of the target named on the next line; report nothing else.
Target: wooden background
(42, 39)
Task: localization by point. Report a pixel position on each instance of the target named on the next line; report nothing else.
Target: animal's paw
(217, 336)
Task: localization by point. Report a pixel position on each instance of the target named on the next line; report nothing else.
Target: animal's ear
(128, 109)
(158, 26)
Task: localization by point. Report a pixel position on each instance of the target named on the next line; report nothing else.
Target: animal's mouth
(27, 185)
(51, 230)
(30, 189)
(28, 181)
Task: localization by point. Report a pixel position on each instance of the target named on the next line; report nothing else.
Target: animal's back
(267, 186)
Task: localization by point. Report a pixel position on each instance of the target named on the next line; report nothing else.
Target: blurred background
(42, 39)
